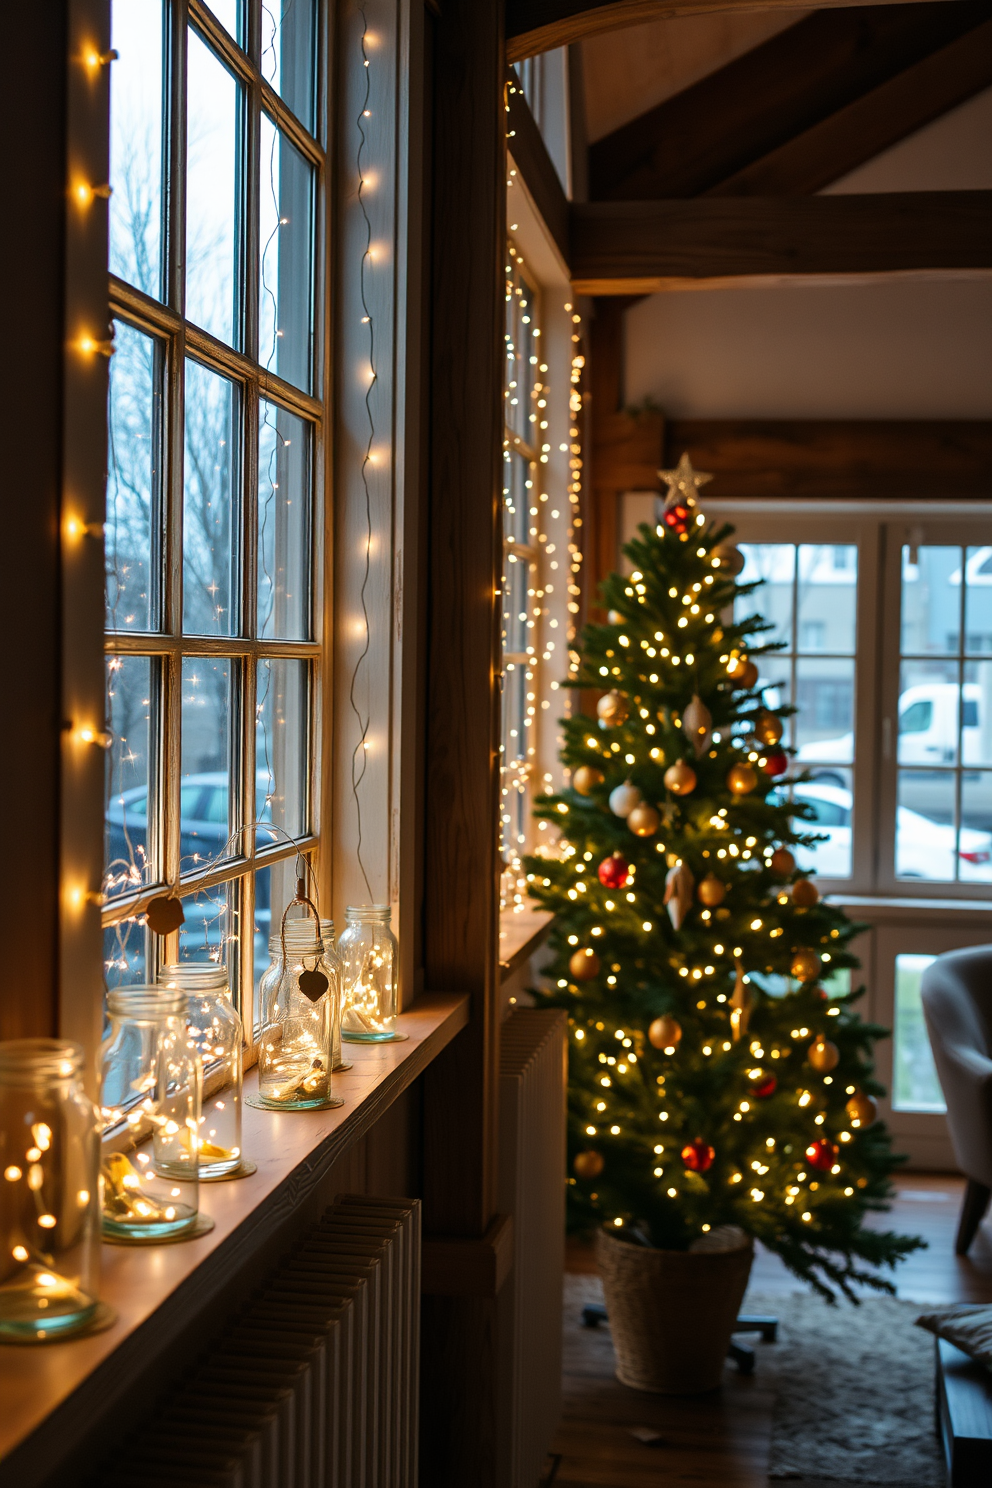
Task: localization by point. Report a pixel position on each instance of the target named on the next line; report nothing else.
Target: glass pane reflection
(931, 600)
(288, 53)
(975, 845)
(125, 954)
(925, 836)
(212, 189)
(129, 777)
(136, 149)
(209, 931)
(283, 524)
(204, 794)
(978, 601)
(775, 564)
(829, 797)
(133, 472)
(915, 1083)
(209, 527)
(826, 598)
(280, 745)
(285, 300)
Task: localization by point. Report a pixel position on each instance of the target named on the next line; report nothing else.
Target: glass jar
(49, 1195)
(367, 952)
(300, 1018)
(151, 1083)
(214, 1026)
(334, 965)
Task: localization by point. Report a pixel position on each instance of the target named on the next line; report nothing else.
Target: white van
(928, 729)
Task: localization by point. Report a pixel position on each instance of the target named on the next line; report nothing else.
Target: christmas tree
(713, 1079)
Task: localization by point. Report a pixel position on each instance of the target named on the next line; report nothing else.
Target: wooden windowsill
(520, 934)
(167, 1283)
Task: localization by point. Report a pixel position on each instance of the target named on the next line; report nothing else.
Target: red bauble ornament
(764, 1086)
(614, 871)
(822, 1155)
(677, 517)
(776, 763)
(698, 1155)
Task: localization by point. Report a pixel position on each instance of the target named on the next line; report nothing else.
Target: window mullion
(176, 147)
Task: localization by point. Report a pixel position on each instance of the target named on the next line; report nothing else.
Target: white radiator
(315, 1385)
(533, 1080)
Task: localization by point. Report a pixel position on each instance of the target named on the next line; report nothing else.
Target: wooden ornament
(644, 821)
(768, 729)
(679, 887)
(586, 779)
(711, 891)
(164, 915)
(805, 966)
(697, 725)
(805, 893)
(313, 984)
(665, 1032)
(741, 779)
(823, 1055)
(583, 964)
(861, 1109)
(782, 862)
(623, 799)
(588, 1164)
(680, 778)
(612, 709)
(728, 558)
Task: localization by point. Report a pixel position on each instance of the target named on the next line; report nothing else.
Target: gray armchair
(957, 1004)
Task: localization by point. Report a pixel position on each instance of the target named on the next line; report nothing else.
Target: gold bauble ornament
(805, 893)
(741, 779)
(782, 862)
(861, 1109)
(588, 1164)
(767, 728)
(586, 779)
(613, 709)
(744, 673)
(697, 725)
(711, 891)
(643, 821)
(805, 966)
(729, 558)
(680, 778)
(583, 964)
(665, 1032)
(823, 1055)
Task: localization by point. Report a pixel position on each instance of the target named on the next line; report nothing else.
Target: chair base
(973, 1210)
(964, 1417)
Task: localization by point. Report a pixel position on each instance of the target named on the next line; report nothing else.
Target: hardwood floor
(722, 1441)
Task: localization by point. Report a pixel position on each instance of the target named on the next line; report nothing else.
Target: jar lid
(302, 936)
(369, 914)
(146, 1001)
(45, 1058)
(194, 976)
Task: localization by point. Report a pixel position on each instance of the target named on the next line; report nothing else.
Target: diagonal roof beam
(763, 100)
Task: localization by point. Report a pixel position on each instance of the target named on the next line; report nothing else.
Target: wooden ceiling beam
(534, 26)
(766, 98)
(643, 247)
(862, 130)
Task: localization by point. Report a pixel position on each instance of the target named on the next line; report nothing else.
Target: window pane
(776, 684)
(209, 931)
(824, 724)
(228, 12)
(976, 714)
(925, 839)
(131, 533)
(285, 298)
(915, 1083)
(209, 525)
(136, 146)
(978, 600)
(288, 51)
(274, 889)
(975, 844)
(281, 754)
(516, 619)
(516, 497)
(130, 777)
(283, 524)
(928, 713)
(522, 357)
(931, 600)
(125, 958)
(775, 564)
(829, 796)
(213, 177)
(827, 598)
(204, 796)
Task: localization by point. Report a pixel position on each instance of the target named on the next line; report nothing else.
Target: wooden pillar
(460, 1428)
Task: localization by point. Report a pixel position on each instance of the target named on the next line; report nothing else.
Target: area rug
(854, 1393)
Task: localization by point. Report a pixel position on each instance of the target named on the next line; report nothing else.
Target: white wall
(910, 348)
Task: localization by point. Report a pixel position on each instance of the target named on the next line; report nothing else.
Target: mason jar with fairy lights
(151, 1085)
(367, 952)
(214, 1026)
(49, 1194)
(300, 1012)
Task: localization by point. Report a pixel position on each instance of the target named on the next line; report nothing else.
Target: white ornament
(680, 885)
(697, 725)
(624, 798)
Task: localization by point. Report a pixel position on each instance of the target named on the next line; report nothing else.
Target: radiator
(532, 1090)
(315, 1384)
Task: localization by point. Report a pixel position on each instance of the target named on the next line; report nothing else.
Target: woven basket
(671, 1312)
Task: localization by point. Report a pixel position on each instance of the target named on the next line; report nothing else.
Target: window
(213, 498)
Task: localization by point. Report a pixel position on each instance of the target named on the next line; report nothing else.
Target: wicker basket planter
(671, 1312)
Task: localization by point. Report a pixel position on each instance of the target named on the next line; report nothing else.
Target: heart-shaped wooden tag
(313, 984)
(165, 915)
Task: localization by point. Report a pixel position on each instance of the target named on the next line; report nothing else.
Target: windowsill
(293, 1152)
(521, 932)
(897, 905)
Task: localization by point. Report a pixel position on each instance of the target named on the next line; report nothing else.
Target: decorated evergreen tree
(713, 1079)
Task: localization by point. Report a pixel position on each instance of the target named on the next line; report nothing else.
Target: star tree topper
(683, 483)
